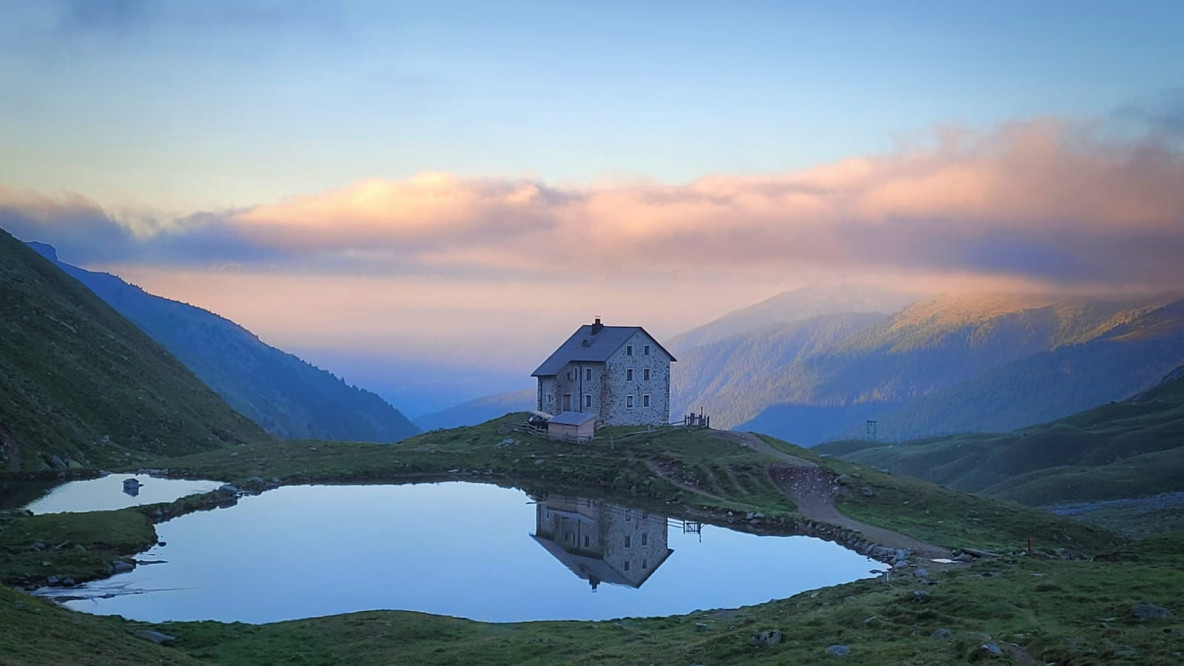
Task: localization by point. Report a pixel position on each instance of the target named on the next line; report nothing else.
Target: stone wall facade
(631, 388)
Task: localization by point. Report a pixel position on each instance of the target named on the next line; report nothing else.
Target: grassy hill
(80, 385)
(285, 395)
(1127, 449)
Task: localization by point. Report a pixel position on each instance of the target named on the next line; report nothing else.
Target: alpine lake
(462, 549)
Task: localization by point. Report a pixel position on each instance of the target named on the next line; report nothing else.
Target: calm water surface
(460, 549)
(107, 493)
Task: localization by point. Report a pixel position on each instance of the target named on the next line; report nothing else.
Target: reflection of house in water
(602, 542)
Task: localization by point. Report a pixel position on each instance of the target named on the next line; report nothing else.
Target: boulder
(154, 636)
(838, 650)
(941, 634)
(1150, 612)
(763, 638)
(119, 566)
(992, 650)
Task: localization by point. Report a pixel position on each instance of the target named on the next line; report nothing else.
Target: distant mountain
(282, 393)
(1047, 385)
(81, 385)
(792, 306)
(1126, 449)
(942, 365)
(734, 379)
(479, 410)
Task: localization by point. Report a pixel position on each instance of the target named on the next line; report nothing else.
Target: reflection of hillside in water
(602, 542)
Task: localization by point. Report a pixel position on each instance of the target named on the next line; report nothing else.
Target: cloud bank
(1049, 201)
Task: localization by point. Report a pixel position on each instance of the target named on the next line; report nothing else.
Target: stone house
(619, 373)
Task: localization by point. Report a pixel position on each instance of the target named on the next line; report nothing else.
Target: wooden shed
(572, 426)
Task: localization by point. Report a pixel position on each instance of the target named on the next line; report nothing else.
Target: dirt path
(813, 489)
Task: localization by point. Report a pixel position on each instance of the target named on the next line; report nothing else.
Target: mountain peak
(44, 249)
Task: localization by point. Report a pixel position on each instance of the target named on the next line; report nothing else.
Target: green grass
(961, 520)
(70, 545)
(34, 631)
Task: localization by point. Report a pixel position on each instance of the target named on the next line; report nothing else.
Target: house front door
(567, 402)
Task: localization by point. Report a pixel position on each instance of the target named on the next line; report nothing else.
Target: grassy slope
(70, 545)
(1126, 449)
(34, 632)
(81, 382)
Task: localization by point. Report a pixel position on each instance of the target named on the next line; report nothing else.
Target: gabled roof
(572, 418)
(591, 343)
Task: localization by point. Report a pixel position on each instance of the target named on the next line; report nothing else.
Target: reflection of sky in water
(106, 493)
(451, 549)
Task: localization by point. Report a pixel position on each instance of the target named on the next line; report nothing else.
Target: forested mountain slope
(80, 384)
(285, 395)
(938, 366)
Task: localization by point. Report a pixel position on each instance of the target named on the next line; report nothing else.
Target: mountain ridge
(284, 394)
(80, 385)
(936, 365)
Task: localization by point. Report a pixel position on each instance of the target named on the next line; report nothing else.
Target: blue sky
(183, 106)
(388, 178)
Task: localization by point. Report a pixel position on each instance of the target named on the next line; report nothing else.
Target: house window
(645, 374)
(628, 514)
(626, 565)
(629, 402)
(548, 398)
(585, 541)
(629, 375)
(587, 399)
(628, 350)
(569, 375)
(645, 400)
(587, 374)
(645, 538)
(645, 350)
(628, 541)
(645, 563)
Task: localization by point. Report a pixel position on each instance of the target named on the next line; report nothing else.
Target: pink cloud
(1042, 200)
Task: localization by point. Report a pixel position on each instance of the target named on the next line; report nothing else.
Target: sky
(463, 183)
